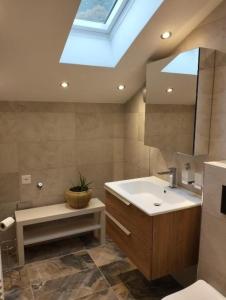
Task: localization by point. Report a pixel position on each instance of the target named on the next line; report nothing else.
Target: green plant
(83, 185)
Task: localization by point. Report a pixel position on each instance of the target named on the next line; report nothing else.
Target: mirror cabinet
(179, 102)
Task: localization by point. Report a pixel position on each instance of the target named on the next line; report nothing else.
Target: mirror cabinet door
(179, 101)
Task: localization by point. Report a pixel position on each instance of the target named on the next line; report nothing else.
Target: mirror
(179, 102)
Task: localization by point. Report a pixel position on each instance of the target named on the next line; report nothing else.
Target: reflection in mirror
(179, 101)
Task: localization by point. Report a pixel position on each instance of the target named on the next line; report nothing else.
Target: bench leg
(100, 233)
(20, 245)
(102, 229)
(97, 221)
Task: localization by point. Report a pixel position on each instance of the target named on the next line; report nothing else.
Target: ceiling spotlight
(64, 84)
(121, 87)
(169, 90)
(166, 35)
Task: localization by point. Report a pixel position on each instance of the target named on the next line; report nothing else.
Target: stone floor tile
(79, 268)
(106, 254)
(122, 292)
(53, 249)
(16, 278)
(103, 295)
(140, 288)
(19, 294)
(114, 269)
(72, 286)
(62, 266)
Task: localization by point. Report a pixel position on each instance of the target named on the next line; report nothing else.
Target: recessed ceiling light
(169, 90)
(166, 35)
(121, 87)
(64, 84)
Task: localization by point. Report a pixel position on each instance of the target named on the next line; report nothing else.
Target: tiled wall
(142, 160)
(136, 154)
(170, 127)
(52, 142)
(210, 34)
(218, 126)
(212, 263)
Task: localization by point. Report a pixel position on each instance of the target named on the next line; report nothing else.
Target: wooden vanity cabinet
(158, 245)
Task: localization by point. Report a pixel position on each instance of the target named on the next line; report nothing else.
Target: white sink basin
(152, 195)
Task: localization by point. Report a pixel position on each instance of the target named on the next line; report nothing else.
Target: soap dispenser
(187, 174)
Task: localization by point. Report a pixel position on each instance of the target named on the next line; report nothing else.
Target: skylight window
(103, 30)
(95, 10)
(98, 15)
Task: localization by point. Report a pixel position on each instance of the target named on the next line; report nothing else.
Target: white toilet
(200, 290)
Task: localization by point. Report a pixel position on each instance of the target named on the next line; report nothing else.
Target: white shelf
(55, 212)
(54, 230)
(40, 224)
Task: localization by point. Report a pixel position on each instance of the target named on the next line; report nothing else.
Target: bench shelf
(36, 225)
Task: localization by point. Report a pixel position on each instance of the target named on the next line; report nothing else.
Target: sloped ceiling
(33, 34)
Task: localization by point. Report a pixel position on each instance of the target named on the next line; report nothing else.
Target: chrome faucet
(173, 177)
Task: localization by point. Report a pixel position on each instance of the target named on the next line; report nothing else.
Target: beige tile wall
(136, 154)
(210, 34)
(218, 126)
(142, 160)
(52, 142)
(212, 264)
(170, 127)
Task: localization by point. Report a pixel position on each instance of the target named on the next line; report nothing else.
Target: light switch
(26, 179)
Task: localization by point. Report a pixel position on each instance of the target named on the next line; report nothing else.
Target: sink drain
(157, 204)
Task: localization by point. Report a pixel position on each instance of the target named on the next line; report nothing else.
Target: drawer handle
(116, 222)
(124, 201)
(127, 203)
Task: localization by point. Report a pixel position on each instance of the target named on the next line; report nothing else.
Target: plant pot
(77, 199)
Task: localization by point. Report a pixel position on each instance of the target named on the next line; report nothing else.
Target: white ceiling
(33, 34)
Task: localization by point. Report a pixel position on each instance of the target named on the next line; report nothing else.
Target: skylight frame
(102, 27)
(98, 49)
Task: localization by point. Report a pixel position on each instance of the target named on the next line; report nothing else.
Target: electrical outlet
(26, 179)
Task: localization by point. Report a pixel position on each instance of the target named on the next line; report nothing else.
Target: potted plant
(78, 196)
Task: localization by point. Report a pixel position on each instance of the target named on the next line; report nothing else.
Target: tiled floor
(78, 268)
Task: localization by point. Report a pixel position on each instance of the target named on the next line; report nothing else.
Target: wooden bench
(36, 225)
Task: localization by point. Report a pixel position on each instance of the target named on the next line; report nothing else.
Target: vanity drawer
(134, 248)
(158, 245)
(137, 222)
